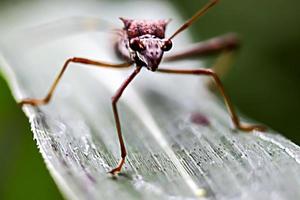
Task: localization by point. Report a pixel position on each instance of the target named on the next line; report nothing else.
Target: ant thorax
(136, 28)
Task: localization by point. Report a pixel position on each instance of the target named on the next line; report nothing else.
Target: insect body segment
(146, 41)
(149, 50)
(136, 28)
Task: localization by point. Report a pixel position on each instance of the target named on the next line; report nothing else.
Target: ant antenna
(198, 14)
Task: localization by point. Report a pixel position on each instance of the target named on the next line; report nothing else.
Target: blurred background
(263, 84)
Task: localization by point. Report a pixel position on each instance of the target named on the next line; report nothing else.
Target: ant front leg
(46, 99)
(211, 73)
(115, 99)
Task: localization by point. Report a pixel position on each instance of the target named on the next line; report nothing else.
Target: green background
(263, 84)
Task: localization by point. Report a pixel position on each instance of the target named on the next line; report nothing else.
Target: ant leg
(228, 42)
(46, 99)
(198, 14)
(115, 99)
(230, 108)
(225, 45)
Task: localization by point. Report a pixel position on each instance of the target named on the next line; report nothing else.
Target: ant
(143, 43)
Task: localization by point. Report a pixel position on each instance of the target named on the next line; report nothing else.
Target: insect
(143, 43)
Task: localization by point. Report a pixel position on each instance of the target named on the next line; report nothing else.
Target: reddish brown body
(143, 43)
(136, 28)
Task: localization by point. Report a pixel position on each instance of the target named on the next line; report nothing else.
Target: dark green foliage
(22, 170)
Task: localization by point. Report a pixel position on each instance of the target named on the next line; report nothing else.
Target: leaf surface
(179, 137)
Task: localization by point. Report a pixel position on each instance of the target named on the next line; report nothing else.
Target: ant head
(147, 40)
(149, 50)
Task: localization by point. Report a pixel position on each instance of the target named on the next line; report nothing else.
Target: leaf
(179, 137)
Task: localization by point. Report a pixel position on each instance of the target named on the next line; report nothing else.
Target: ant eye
(136, 45)
(167, 45)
